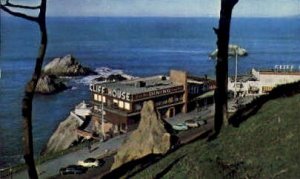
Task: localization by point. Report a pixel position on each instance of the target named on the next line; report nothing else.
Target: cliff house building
(119, 104)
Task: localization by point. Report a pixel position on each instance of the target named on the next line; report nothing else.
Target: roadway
(51, 168)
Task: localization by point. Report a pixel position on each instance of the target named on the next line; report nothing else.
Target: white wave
(103, 72)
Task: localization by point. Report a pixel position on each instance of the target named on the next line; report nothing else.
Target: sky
(169, 8)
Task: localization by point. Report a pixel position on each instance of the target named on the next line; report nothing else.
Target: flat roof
(151, 84)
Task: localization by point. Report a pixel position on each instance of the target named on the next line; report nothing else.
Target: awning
(205, 95)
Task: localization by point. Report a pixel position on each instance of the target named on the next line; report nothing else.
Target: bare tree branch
(18, 14)
(8, 4)
(29, 94)
(31, 85)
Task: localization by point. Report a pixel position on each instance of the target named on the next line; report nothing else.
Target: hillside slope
(264, 146)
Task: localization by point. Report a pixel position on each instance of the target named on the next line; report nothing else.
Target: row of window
(160, 102)
(267, 89)
(99, 98)
(116, 103)
(121, 104)
(137, 106)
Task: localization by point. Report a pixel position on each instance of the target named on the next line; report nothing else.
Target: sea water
(133, 46)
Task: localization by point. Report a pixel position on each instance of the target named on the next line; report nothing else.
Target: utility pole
(102, 116)
(235, 79)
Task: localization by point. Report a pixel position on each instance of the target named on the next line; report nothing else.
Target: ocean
(134, 46)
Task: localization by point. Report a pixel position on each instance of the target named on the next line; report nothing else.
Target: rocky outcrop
(116, 77)
(64, 136)
(111, 78)
(50, 84)
(151, 137)
(232, 49)
(67, 66)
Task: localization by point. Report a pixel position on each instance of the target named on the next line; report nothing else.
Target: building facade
(119, 104)
(263, 81)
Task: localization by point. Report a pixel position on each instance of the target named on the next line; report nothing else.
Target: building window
(127, 106)
(95, 97)
(115, 101)
(104, 99)
(266, 89)
(121, 104)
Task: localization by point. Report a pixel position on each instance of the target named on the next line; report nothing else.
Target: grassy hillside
(267, 145)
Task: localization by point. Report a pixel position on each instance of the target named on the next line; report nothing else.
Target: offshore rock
(151, 137)
(64, 136)
(67, 66)
(49, 84)
(232, 49)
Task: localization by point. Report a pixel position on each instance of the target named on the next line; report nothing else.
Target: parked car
(72, 169)
(191, 123)
(90, 162)
(180, 127)
(202, 122)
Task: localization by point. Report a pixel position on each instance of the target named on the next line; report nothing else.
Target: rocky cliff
(49, 84)
(67, 66)
(64, 136)
(151, 137)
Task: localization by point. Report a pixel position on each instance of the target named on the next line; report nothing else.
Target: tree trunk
(223, 34)
(29, 94)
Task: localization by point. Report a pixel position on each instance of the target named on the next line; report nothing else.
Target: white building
(83, 109)
(261, 82)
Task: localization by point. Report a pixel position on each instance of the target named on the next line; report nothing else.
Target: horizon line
(154, 16)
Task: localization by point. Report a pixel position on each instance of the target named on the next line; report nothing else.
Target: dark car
(72, 169)
(101, 162)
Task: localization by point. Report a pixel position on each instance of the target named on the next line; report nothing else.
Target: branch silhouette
(30, 87)
(18, 14)
(9, 4)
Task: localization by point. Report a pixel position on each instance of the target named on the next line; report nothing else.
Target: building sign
(116, 93)
(157, 92)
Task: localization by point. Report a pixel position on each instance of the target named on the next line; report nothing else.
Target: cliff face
(64, 136)
(150, 137)
(67, 66)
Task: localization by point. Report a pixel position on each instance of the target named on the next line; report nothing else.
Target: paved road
(184, 137)
(51, 168)
(92, 172)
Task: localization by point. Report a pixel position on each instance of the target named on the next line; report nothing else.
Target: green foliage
(264, 146)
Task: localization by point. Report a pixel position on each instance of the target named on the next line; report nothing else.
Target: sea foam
(103, 72)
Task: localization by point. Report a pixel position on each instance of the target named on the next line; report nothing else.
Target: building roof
(244, 78)
(279, 71)
(142, 85)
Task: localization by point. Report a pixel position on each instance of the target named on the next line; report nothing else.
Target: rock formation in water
(151, 137)
(67, 66)
(64, 136)
(49, 84)
(232, 49)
